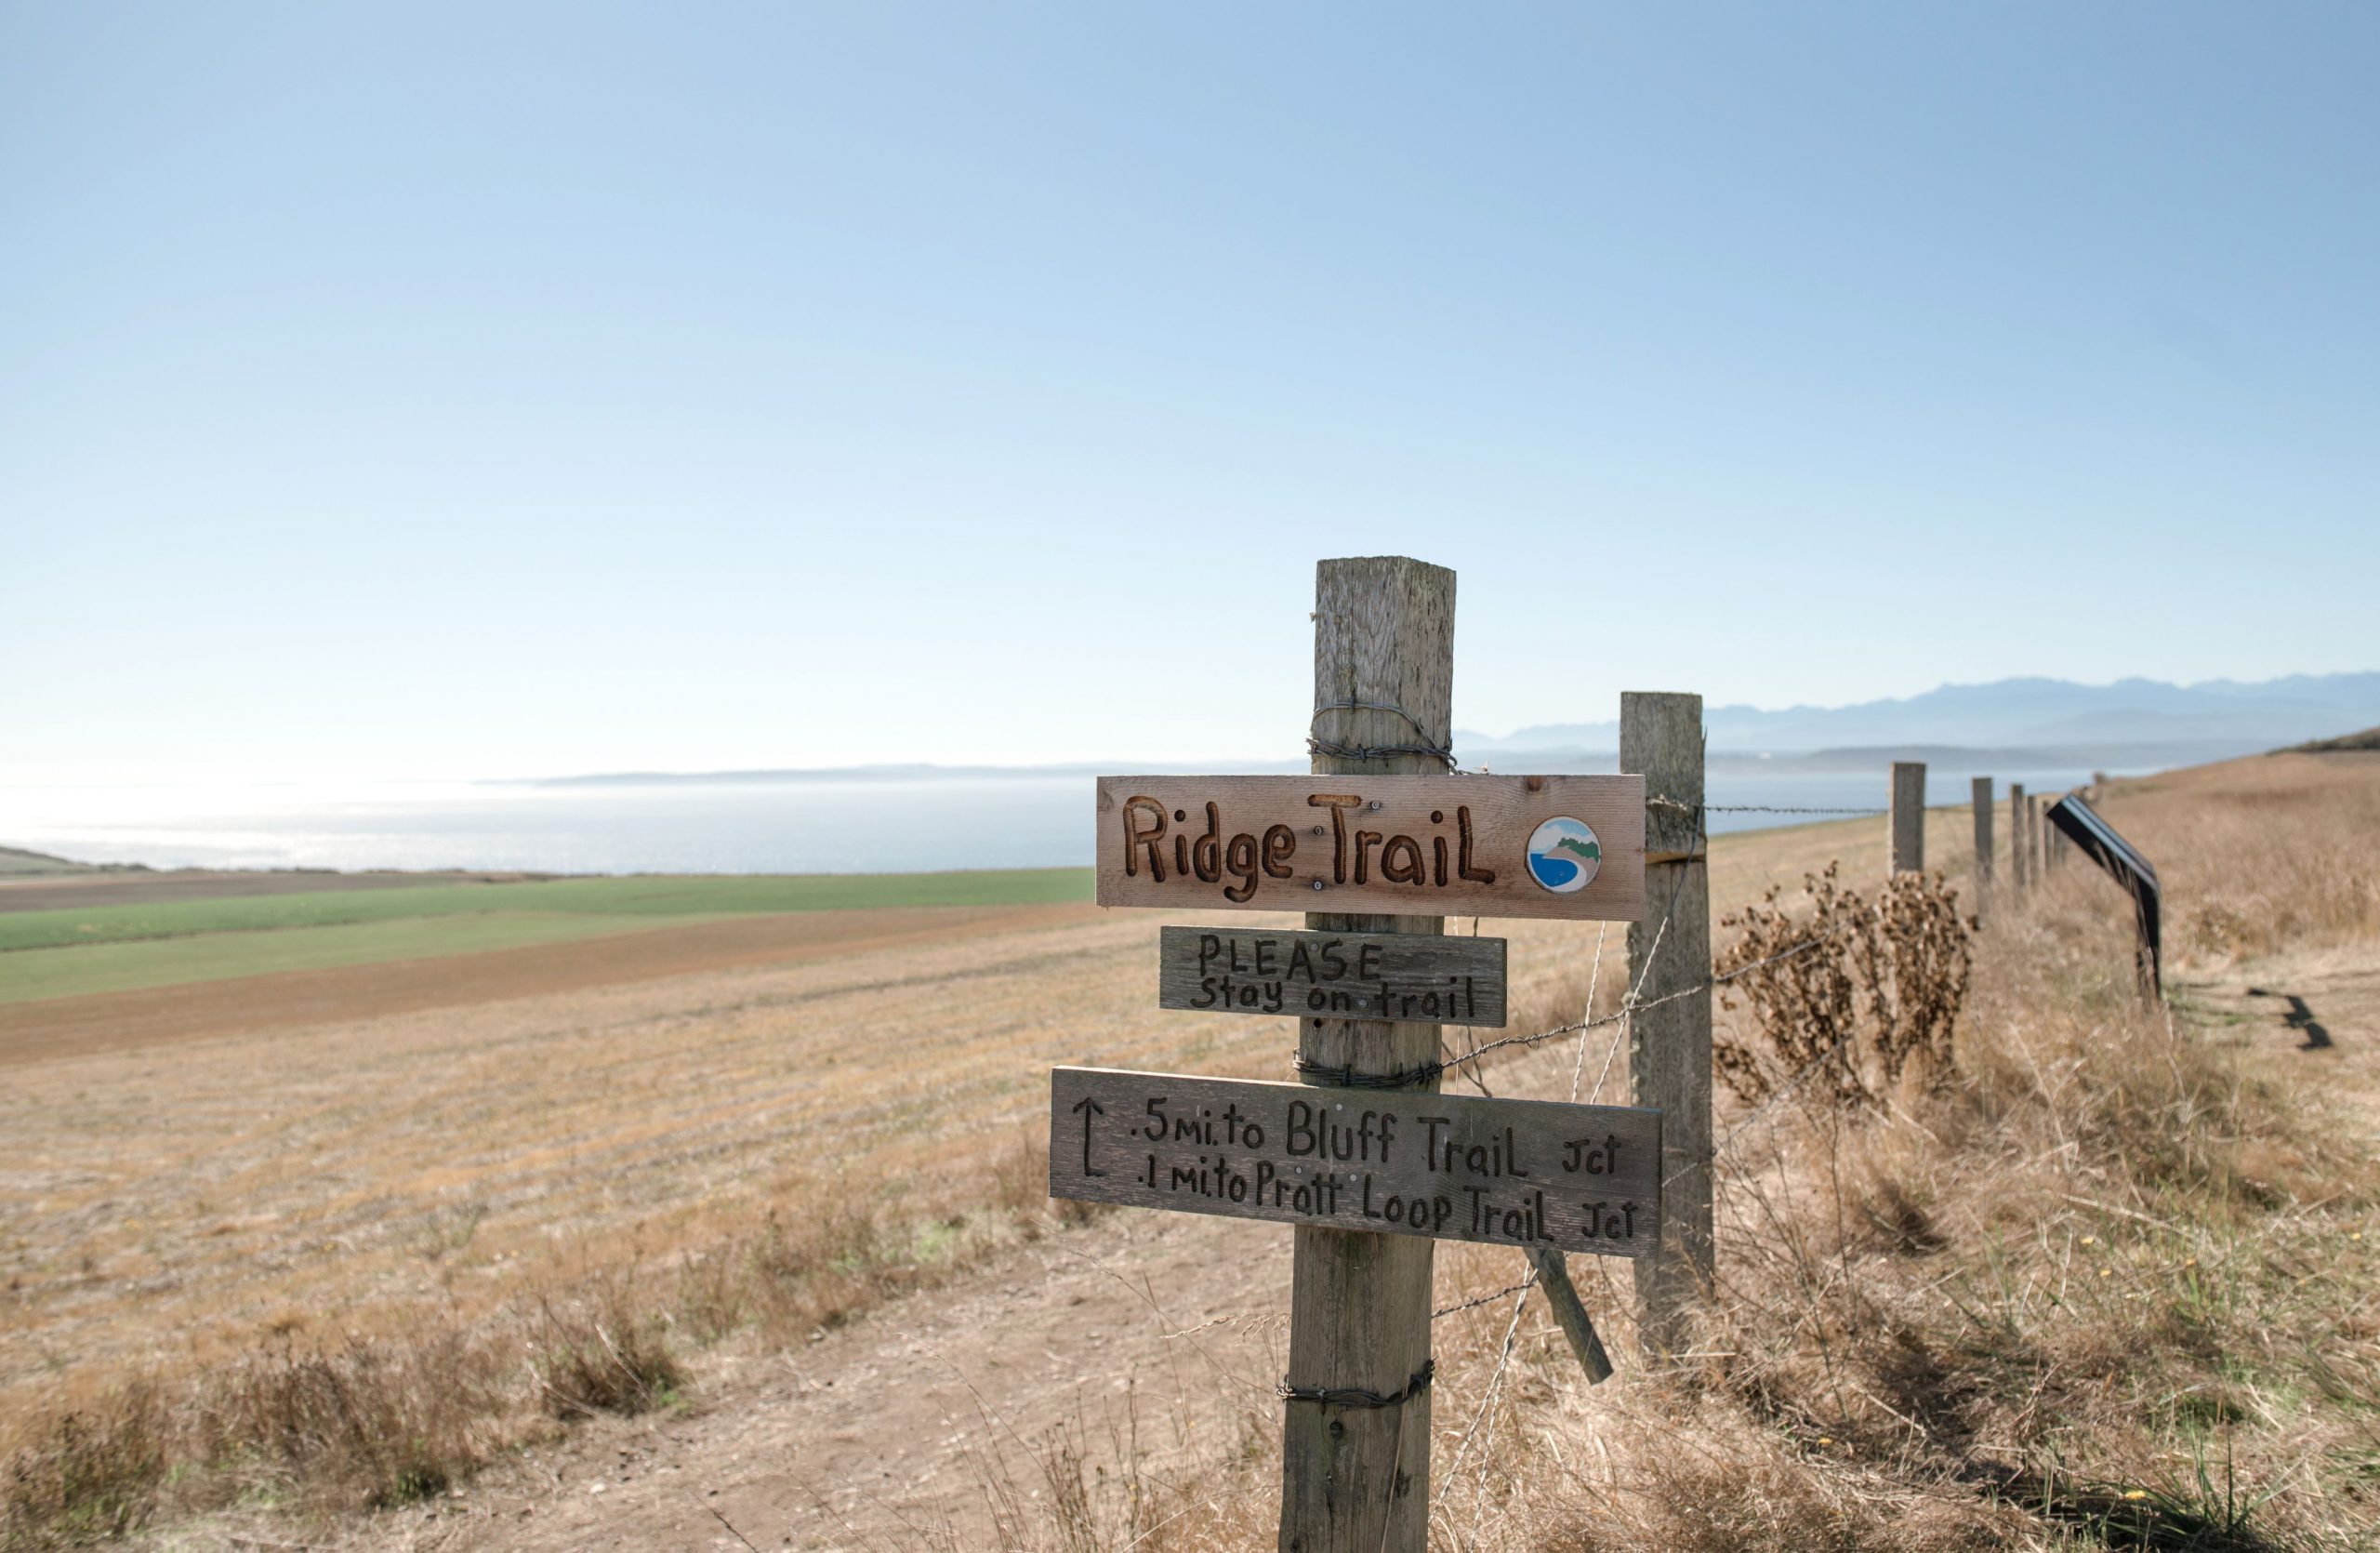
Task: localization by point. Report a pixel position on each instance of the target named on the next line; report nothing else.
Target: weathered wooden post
(1365, 1155)
(2036, 843)
(1356, 1479)
(1908, 822)
(2018, 875)
(1981, 787)
(1669, 1048)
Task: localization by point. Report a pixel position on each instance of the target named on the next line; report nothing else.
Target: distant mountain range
(2008, 725)
(2128, 723)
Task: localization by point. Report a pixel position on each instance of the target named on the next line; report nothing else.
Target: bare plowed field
(114, 1021)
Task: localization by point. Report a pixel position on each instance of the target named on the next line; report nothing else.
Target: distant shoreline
(1847, 760)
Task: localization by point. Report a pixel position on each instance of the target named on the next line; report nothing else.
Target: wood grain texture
(1908, 821)
(1371, 975)
(1570, 1313)
(1581, 1179)
(1669, 1051)
(1446, 845)
(1353, 1480)
(2018, 874)
(1981, 789)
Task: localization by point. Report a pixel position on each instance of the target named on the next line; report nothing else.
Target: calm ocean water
(874, 826)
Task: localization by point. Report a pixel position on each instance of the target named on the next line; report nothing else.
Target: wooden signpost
(1360, 975)
(1583, 1179)
(1495, 846)
(1369, 1162)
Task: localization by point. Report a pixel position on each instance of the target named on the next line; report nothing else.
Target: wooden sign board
(1421, 977)
(1492, 846)
(1583, 1179)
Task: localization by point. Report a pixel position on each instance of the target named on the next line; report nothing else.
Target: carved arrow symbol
(1089, 1108)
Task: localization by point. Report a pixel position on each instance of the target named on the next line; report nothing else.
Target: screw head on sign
(1317, 883)
(1374, 805)
(1317, 829)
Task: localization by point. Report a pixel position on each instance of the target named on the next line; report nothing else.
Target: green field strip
(84, 928)
(154, 962)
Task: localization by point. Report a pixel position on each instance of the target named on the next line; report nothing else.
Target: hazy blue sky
(512, 387)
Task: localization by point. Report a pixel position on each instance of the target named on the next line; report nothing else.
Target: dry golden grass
(2113, 1285)
(343, 1267)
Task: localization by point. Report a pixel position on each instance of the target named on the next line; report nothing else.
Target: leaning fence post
(1907, 827)
(2036, 848)
(2018, 875)
(1669, 1046)
(1981, 787)
(1356, 1479)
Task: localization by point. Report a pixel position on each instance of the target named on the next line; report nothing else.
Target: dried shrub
(1866, 990)
(370, 1422)
(598, 1353)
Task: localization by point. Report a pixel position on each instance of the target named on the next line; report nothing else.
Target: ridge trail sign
(1536, 1174)
(1422, 846)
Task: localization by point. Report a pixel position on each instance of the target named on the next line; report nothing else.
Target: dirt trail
(876, 1435)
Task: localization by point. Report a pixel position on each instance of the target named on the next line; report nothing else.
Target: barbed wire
(1317, 745)
(1344, 1075)
(1595, 981)
(1476, 1301)
(1678, 806)
(1443, 754)
(1630, 1005)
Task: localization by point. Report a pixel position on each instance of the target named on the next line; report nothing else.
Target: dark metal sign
(2083, 824)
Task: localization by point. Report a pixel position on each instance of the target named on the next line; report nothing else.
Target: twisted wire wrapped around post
(1352, 1396)
(1317, 745)
(1347, 1077)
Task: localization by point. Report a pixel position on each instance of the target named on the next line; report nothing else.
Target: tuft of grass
(598, 1352)
(88, 1475)
(373, 1423)
(369, 1423)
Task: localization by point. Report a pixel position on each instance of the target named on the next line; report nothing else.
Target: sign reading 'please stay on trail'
(1418, 977)
(1495, 846)
(1585, 1179)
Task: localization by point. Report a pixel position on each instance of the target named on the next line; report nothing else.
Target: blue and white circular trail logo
(1564, 855)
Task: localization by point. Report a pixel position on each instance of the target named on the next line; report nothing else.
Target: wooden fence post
(1908, 823)
(1669, 1046)
(2018, 877)
(1981, 787)
(2036, 844)
(1356, 1479)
